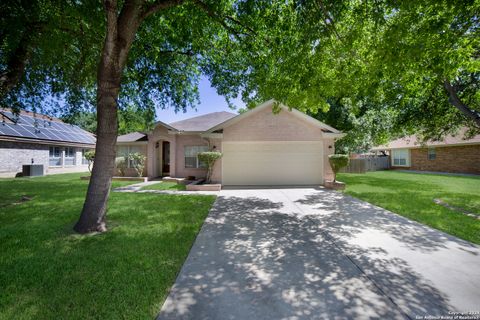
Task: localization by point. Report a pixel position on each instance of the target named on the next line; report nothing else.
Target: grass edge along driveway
(411, 195)
(48, 272)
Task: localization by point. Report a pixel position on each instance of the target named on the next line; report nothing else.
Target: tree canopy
(379, 69)
(376, 68)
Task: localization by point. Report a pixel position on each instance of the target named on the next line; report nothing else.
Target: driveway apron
(305, 253)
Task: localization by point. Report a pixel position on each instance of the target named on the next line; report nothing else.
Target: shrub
(121, 164)
(138, 162)
(337, 162)
(209, 158)
(90, 157)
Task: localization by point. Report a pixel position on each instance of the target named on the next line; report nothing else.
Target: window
(400, 157)
(432, 154)
(69, 156)
(124, 151)
(55, 157)
(191, 159)
(133, 149)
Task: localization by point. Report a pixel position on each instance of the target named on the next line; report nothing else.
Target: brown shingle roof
(132, 137)
(413, 142)
(202, 123)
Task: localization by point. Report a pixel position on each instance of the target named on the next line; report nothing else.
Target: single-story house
(32, 138)
(453, 154)
(259, 147)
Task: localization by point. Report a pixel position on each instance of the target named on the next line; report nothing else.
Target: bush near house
(138, 162)
(121, 164)
(337, 162)
(90, 157)
(209, 158)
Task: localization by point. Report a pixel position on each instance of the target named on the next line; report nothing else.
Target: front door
(166, 157)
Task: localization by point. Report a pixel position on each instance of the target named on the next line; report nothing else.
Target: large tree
(409, 65)
(156, 51)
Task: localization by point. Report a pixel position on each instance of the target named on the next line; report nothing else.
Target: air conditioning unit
(32, 170)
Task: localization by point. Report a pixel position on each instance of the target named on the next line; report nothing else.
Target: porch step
(177, 180)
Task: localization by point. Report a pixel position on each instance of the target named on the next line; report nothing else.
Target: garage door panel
(272, 163)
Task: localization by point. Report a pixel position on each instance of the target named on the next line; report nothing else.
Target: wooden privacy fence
(362, 165)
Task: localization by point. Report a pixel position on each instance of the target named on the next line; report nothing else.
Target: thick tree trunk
(119, 38)
(120, 33)
(455, 101)
(94, 210)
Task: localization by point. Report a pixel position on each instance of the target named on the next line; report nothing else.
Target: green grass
(48, 272)
(411, 195)
(165, 185)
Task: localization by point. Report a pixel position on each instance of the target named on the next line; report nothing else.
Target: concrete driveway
(305, 253)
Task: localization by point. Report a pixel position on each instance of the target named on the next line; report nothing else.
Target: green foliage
(337, 162)
(130, 119)
(55, 274)
(209, 158)
(134, 118)
(393, 191)
(59, 43)
(387, 60)
(90, 157)
(121, 163)
(138, 162)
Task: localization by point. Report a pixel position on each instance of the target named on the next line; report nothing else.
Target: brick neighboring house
(454, 154)
(29, 138)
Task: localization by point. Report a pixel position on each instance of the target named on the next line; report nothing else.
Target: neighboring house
(258, 146)
(454, 154)
(29, 138)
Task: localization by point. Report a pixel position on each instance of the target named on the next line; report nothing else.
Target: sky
(210, 101)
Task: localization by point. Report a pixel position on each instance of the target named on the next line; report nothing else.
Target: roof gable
(268, 104)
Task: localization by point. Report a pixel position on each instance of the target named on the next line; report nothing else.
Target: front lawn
(48, 272)
(165, 185)
(411, 195)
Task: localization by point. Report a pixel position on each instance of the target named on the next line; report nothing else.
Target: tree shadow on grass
(256, 260)
(46, 272)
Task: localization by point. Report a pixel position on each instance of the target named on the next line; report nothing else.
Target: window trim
(431, 152)
(74, 157)
(60, 157)
(129, 150)
(197, 162)
(407, 157)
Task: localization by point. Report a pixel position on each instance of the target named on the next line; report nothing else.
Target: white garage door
(272, 163)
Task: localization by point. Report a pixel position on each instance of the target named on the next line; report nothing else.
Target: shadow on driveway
(306, 254)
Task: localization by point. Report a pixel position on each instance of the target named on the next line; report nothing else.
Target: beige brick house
(454, 154)
(259, 147)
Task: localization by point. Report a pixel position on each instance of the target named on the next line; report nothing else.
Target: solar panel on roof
(42, 127)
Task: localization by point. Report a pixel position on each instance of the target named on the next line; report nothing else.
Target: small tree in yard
(209, 159)
(337, 162)
(138, 162)
(121, 164)
(90, 157)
